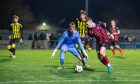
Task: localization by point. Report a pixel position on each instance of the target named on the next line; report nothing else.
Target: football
(78, 68)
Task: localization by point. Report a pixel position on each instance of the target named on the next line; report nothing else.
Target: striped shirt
(15, 30)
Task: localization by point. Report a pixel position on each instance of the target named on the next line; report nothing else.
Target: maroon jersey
(99, 33)
(115, 30)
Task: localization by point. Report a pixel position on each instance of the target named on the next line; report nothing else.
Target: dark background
(60, 12)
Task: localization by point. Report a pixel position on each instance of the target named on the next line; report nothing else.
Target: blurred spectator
(36, 36)
(121, 39)
(36, 44)
(42, 36)
(126, 38)
(48, 36)
(52, 40)
(30, 37)
(0, 37)
(134, 39)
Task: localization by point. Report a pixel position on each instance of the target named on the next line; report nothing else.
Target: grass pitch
(36, 67)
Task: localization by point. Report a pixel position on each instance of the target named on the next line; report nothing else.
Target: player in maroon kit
(114, 41)
(100, 34)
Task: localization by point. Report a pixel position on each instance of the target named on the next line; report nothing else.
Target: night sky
(53, 10)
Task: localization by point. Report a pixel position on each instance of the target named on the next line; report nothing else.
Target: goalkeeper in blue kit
(68, 43)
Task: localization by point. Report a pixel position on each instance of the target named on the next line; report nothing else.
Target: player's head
(89, 22)
(113, 23)
(83, 15)
(15, 18)
(72, 26)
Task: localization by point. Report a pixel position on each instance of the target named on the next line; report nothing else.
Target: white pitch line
(62, 81)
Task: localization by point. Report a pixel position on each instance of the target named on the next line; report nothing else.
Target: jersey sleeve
(21, 30)
(10, 29)
(76, 23)
(79, 41)
(61, 40)
(107, 28)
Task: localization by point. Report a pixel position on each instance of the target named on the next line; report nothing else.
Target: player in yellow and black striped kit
(81, 25)
(82, 28)
(15, 35)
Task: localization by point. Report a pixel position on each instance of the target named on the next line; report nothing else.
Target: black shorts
(98, 46)
(13, 41)
(113, 43)
(83, 40)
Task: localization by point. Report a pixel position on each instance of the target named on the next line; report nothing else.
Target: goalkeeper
(67, 43)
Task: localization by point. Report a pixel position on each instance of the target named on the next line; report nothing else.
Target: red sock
(104, 60)
(121, 51)
(113, 51)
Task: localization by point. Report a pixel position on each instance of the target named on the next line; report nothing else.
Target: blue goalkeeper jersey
(70, 39)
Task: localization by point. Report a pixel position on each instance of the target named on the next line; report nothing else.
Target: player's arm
(76, 23)
(81, 45)
(109, 31)
(59, 44)
(10, 31)
(118, 31)
(21, 31)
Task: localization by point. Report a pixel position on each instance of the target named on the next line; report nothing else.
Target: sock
(113, 51)
(121, 51)
(108, 64)
(10, 50)
(14, 51)
(104, 60)
(61, 61)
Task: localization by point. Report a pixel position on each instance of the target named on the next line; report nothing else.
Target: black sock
(13, 51)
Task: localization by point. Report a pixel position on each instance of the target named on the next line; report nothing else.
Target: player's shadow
(5, 60)
(50, 66)
(120, 57)
(89, 69)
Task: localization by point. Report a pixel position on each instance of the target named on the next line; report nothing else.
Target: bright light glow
(44, 24)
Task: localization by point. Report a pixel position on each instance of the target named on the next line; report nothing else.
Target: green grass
(36, 67)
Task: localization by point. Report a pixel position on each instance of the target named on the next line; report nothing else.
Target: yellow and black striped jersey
(81, 26)
(16, 30)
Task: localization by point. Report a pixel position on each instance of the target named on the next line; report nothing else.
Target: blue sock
(61, 61)
(62, 57)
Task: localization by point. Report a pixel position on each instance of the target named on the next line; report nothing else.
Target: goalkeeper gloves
(53, 54)
(84, 52)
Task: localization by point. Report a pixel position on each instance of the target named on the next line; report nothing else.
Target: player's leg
(13, 48)
(119, 48)
(105, 60)
(111, 47)
(64, 49)
(10, 47)
(103, 57)
(75, 52)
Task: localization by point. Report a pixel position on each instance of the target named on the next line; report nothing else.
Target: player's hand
(108, 33)
(112, 37)
(82, 36)
(53, 54)
(84, 52)
(10, 37)
(114, 33)
(21, 41)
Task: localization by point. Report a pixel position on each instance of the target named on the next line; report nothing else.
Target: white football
(78, 68)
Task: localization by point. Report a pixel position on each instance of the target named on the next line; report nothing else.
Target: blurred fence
(43, 44)
(48, 39)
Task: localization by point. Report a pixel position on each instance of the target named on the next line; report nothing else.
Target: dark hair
(83, 12)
